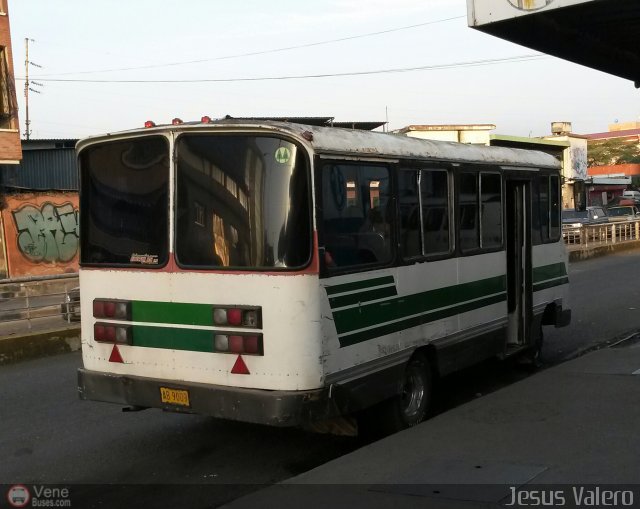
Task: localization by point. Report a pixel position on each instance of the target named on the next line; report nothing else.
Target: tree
(612, 152)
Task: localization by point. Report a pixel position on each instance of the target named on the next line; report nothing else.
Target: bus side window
(468, 211)
(409, 204)
(491, 210)
(434, 190)
(356, 214)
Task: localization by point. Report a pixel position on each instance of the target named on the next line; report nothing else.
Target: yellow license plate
(174, 396)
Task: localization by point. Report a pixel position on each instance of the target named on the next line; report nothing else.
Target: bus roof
(358, 143)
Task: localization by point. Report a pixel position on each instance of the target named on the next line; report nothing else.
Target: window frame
(419, 168)
(331, 271)
(479, 170)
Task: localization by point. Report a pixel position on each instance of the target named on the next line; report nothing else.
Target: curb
(39, 344)
(595, 252)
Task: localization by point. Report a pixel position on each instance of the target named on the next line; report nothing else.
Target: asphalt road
(47, 435)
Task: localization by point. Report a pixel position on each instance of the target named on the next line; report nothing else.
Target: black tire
(408, 408)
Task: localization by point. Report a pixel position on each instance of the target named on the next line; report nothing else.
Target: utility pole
(27, 87)
(27, 122)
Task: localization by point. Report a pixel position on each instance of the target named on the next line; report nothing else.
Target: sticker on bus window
(144, 259)
(283, 154)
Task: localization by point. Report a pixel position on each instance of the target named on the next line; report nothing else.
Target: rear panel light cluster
(250, 318)
(116, 309)
(112, 333)
(249, 344)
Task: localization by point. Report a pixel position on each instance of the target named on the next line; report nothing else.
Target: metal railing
(33, 303)
(602, 234)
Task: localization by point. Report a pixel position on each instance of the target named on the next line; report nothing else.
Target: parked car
(70, 308)
(632, 195)
(623, 213)
(572, 218)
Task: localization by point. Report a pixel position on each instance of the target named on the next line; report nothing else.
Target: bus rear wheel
(407, 408)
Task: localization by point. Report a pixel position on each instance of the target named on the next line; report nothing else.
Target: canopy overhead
(601, 34)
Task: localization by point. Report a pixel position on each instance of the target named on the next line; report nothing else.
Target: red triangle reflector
(115, 355)
(240, 368)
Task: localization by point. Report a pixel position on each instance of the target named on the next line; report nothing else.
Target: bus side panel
(177, 344)
(398, 310)
(550, 276)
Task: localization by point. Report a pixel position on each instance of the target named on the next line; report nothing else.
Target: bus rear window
(242, 201)
(124, 202)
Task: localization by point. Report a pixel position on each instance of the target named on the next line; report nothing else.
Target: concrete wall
(41, 234)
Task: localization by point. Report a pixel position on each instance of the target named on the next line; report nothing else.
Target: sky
(223, 50)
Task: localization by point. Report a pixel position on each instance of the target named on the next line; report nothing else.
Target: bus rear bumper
(275, 408)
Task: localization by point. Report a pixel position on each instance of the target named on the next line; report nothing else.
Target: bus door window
(543, 193)
(554, 208)
(356, 214)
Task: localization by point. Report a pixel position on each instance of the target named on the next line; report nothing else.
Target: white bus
(278, 273)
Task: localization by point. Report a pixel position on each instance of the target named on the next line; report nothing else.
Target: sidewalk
(572, 425)
(48, 336)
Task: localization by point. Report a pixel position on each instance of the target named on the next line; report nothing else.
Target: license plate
(174, 396)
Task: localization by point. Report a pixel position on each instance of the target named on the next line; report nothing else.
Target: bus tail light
(112, 333)
(116, 309)
(249, 344)
(238, 317)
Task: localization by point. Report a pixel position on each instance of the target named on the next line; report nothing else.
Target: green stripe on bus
(192, 340)
(415, 321)
(361, 317)
(359, 285)
(181, 313)
(555, 270)
(550, 284)
(355, 298)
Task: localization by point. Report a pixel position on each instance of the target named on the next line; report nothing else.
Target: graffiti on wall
(41, 233)
(47, 233)
(579, 162)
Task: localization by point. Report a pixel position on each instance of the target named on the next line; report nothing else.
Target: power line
(256, 53)
(474, 63)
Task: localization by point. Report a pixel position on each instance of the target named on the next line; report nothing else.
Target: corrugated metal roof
(43, 170)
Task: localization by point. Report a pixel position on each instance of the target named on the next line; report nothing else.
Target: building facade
(10, 152)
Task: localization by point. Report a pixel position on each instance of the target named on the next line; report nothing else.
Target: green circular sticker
(283, 154)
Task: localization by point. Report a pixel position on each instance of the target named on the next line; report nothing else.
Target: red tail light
(249, 317)
(112, 333)
(116, 309)
(224, 342)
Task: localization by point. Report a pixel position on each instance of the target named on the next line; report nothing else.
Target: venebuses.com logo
(19, 495)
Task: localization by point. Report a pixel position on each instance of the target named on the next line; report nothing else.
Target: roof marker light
(176, 121)
(149, 123)
(206, 119)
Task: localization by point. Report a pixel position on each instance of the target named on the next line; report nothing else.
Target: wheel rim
(413, 392)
